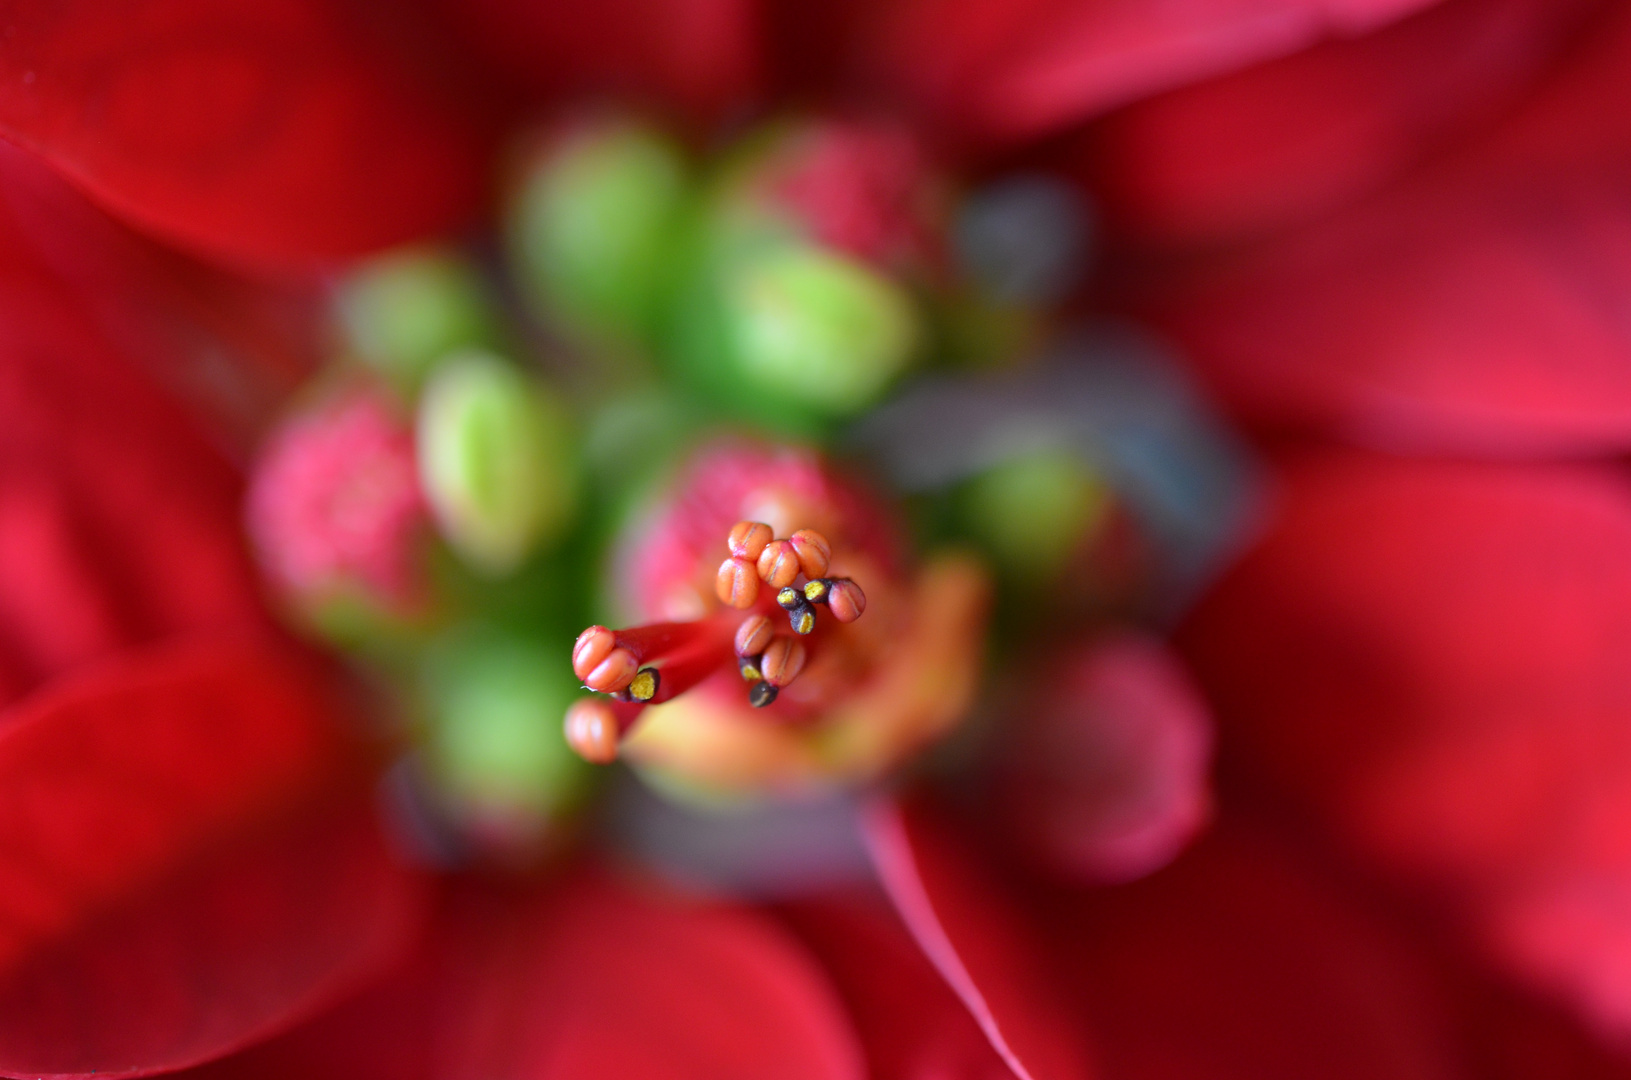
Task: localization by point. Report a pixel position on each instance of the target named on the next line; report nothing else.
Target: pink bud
(1102, 773)
(334, 501)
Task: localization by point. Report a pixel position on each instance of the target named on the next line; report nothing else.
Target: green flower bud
(406, 310)
(493, 738)
(815, 329)
(493, 460)
(1033, 512)
(594, 225)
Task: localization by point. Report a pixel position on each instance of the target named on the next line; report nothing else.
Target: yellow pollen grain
(644, 686)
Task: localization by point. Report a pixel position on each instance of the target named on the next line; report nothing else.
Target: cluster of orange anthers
(651, 664)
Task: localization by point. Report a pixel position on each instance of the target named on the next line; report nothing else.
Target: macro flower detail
(830, 696)
(737, 538)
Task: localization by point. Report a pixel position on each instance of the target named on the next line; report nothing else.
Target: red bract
(194, 120)
(1473, 306)
(186, 868)
(1449, 643)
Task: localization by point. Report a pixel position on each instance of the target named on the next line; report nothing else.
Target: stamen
(610, 674)
(845, 600)
(802, 618)
(816, 591)
(595, 726)
(778, 563)
(592, 646)
(737, 583)
(748, 539)
(761, 694)
(783, 661)
(813, 550)
(613, 661)
(748, 668)
(644, 686)
(789, 598)
(680, 671)
(753, 635)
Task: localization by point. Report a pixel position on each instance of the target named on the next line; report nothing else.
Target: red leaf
(185, 868)
(119, 523)
(699, 57)
(265, 131)
(912, 1025)
(969, 935)
(1281, 142)
(1001, 69)
(1242, 962)
(230, 347)
(610, 978)
(1477, 307)
(1437, 657)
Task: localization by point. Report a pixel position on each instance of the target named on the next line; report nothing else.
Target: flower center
(656, 662)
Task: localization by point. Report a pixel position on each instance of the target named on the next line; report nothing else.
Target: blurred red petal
(229, 347)
(1477, 307)
(1280, 142)
(1239, 962)
(1438, 658)
(1102, 767)
(973, 939)
(270, 132)
(912, 1025)
(119, 521)
(610, 977)
(699, 57)
(185, 869)
(580, 973)
(1012, 68)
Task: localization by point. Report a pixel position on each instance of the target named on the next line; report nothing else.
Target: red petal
(1280, 142)
(1438, 658)
(611, 978)
(119, 522)
(1006, 68)
(1239, 961)
(265, 131)
(971, 938)
(1478, 307)
(185, 871)
(912, 1025)
(698, 56)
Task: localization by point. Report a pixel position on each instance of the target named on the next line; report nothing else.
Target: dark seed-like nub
(761, 694)
(802, 618)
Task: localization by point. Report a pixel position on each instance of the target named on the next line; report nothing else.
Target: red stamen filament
(657, 662)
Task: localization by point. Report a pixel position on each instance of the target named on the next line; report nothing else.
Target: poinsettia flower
(194, 862)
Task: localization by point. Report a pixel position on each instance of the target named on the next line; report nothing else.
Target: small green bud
(406, 310)
(493, 460)
(817, 329)
(1034, 511)
(593, 228)
(493, 735)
